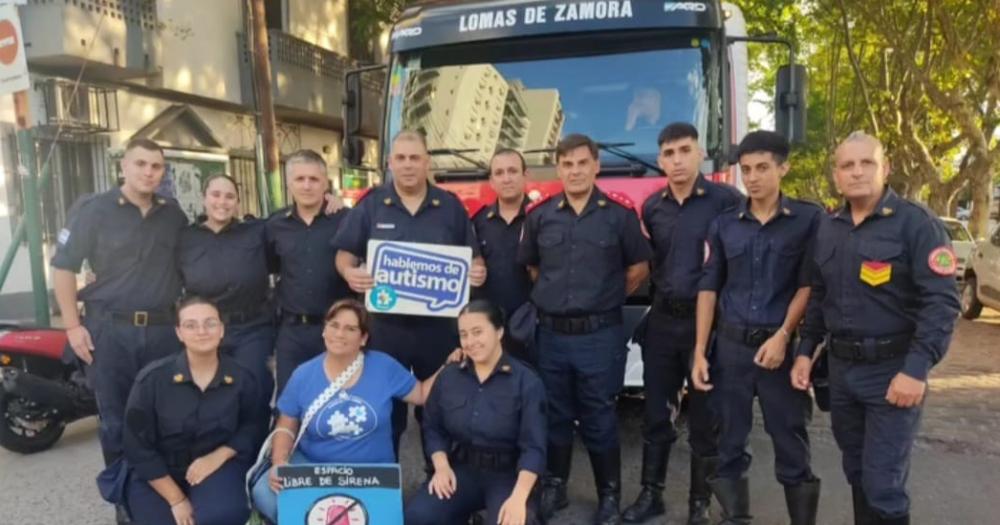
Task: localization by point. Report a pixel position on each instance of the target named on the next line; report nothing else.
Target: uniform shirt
(380, 214)
(508, 283)
(308, 282)
(170, 422)
(356, 425)
(758, 268)
(581, 259)
(504, 412)
(678, 231)
(229, 267)
(892, 274)
(133, 257)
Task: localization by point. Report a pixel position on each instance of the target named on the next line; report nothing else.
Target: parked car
(982, 277)
(962, 241)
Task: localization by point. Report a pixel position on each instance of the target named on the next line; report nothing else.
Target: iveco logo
(412, 31)
(697, 7)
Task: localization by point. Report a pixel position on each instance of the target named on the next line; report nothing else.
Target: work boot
(901, 520)
(554, 483)
(734, 496)
(654, 471)
(863, 513)
(803, 501)
(700, 496)
(608, 478)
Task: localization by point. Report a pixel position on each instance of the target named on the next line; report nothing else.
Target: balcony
(83, 109)
(116, 39)
(307, 82)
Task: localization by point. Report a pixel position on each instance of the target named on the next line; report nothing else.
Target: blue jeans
(264, 499)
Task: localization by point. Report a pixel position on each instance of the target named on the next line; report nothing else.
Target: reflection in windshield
(624, 98)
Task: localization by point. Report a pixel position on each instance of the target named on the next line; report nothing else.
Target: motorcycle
(39, 393)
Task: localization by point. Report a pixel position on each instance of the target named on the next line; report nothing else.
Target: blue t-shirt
(356, 425)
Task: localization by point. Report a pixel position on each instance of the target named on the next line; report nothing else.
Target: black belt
(485, 458)
(135, 318)
(300, 319)
(752, 336)
(233, 317)
(580, 324)
(677, 308)
(870, 349)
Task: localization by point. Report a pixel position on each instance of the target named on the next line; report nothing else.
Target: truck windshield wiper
(460, 153)
(638, 166)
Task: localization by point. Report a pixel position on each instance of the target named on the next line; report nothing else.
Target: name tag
(384, 226)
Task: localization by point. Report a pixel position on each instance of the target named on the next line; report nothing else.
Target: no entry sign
(13, 65)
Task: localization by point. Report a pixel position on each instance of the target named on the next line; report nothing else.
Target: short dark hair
(349, 305)
(145, 144)
(765, 141)
(191, 300)
(508, 151)
(573, 141)
(677, 131)
(491, 310)
(212, 178)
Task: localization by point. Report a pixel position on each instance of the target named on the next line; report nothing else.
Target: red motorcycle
(39, 392)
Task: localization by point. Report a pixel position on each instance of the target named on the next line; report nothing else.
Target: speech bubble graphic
(433, 276)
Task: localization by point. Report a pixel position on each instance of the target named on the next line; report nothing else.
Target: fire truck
(478, 76)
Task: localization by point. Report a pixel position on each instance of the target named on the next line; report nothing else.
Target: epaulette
(473, 207)
(621, 199)
(151, 367)
(536, 203)
(280, 212)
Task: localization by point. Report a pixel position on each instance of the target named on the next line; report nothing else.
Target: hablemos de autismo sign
(418, 279)
(340, 494)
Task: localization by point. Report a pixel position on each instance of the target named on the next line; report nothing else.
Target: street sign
(13, 65)
(340, 494)
(418, 279)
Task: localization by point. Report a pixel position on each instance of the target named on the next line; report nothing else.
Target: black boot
(863, 513)
(734, 496)
(901, 520)
(607, 476)
(700, 498)
(554, 483)
(803, 502)
(654, 471)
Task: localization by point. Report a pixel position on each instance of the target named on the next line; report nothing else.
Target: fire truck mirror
(790, 102)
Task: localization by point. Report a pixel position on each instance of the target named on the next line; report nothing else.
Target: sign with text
(13, 64)
(340, 494)
(418, 279)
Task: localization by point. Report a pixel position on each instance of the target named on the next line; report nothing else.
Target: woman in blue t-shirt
(355, 425)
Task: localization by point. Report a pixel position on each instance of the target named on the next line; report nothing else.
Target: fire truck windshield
(527, 93)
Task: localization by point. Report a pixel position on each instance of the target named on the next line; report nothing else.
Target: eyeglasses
(210, 325)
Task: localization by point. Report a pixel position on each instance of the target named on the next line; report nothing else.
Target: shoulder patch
(942, 261)
(536, 203)
(621, 199)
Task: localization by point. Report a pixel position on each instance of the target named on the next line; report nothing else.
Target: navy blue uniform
(756, 269)
(884, 291)
(419, 343)
(128, 309)
(580, 290)
(491, 430)
(508, 283)
(170, 422)
(230, 269)
(678, 234)
(308, 283)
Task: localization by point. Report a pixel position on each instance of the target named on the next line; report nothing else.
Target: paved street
(955, 477)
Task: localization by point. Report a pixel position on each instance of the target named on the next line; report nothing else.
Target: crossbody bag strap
(335, 386)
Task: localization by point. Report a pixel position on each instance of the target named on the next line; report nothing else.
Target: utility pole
(265, 106)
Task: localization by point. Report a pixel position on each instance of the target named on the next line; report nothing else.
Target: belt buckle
(303, 319)
(756, 336)
(140, 318)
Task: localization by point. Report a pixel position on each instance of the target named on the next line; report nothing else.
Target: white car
(982, 277)
(961, 241)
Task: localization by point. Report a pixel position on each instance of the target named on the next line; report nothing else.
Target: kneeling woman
(352, 426)
(191, 428)
(484, 428)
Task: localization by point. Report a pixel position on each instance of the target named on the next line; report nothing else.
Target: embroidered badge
(63, 236)
(227, 380)
(178, 378)
(943, 261)
(876, 273)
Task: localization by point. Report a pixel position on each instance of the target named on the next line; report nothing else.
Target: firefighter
(884, 291)
(586, 251)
